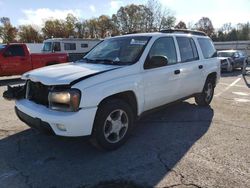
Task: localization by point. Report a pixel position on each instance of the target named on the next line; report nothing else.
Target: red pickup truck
(15, 59)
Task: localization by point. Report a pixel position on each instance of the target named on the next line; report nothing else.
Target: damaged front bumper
(78, 123)
(14, 93)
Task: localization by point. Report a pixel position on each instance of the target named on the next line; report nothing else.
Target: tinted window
(188, 50)
(84, 45)
(207, 48)
(69, 46)
(57, 46)
(16, 50)
(195, 52)
(164, 47)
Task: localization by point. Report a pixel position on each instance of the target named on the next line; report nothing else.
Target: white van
(75, 47)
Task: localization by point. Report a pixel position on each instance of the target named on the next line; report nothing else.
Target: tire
(205, 98)
(230, 68)
(113, 125)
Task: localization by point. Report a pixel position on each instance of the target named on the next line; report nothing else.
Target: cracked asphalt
(182, 146)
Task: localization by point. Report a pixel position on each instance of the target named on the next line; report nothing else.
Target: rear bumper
(38, 116)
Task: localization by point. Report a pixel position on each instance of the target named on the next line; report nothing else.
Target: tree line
(128, 19)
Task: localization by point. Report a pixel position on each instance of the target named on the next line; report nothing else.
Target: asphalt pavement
(181, 146)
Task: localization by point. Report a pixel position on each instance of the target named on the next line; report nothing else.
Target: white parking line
(241, 100)
(236, 85)
(240, 93)
(228, 87)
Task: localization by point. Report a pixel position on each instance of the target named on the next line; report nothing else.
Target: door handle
(177, 72)
(200, 66)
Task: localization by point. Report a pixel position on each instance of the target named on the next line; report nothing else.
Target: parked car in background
(76, 48)
(15, 59)
(116, 82)
(232, 59)
(226, 63)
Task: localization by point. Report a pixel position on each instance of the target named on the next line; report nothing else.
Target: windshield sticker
(138, 42)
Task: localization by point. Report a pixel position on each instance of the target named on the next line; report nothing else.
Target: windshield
(119, 51)
(47, 47)
(2, 47)
(225, 54)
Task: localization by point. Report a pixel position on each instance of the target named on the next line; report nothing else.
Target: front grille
(37, 92)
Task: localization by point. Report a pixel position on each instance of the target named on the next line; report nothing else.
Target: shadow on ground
(159, 141)
(235, 73)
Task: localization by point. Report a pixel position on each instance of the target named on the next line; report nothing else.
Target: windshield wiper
(108, 61)
(88, 60)
(104, 61)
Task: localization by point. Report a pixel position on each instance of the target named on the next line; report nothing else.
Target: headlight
(66, 100)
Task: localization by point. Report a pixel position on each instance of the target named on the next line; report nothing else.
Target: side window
(188, 50)
(207, 48)
(16, 50)
(69, 46)
(194, 48)
(84, 45)
(164, 47)
(57, 46)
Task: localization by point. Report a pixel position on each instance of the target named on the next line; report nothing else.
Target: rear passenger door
(191, 67)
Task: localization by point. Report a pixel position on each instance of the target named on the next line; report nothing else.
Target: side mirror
(7, 54)
(156, 61)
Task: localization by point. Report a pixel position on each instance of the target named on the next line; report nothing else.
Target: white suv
(122, 77)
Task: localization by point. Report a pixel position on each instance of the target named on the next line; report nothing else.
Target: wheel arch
(127, 96)
(212, 76)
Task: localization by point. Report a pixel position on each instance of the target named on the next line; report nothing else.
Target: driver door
(161, 83)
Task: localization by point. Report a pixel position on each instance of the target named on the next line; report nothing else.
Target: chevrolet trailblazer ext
(122, 77)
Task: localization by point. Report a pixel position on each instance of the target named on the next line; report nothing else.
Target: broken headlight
(66, 100)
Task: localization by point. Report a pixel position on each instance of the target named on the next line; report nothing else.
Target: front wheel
(113, 124)
(230, 68)
(205, 98)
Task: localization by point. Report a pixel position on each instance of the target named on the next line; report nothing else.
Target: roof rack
(193, 32)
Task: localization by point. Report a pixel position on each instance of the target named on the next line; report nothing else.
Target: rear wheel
(205, 98)
(113, 124)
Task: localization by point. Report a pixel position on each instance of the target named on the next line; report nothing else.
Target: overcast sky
(189, 11)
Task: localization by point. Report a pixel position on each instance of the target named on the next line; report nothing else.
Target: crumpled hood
(67, 73)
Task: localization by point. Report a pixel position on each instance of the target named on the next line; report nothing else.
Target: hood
(67, 73)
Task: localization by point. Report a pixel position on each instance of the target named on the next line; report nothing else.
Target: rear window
(207, 48)
(16, 50)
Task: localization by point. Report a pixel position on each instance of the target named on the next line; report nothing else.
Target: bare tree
(181, 25)
(161, 17)
(205, 25)
(8, 33)
(27, 33)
